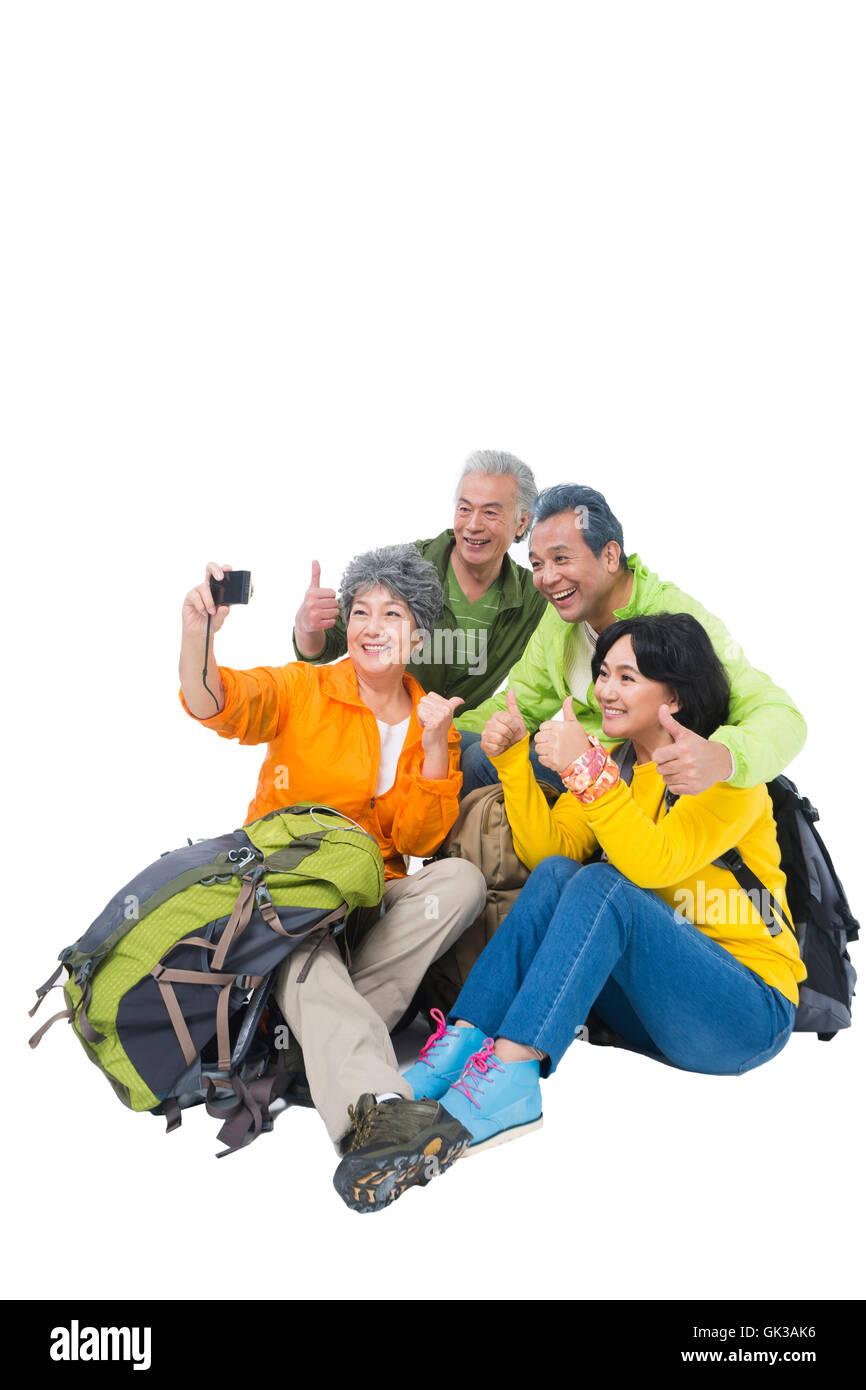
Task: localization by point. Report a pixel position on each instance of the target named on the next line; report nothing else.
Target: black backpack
(823, 922)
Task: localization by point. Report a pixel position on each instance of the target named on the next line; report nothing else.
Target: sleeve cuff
(319, 660)
(513, 757)
(733, 772)
(441, 786)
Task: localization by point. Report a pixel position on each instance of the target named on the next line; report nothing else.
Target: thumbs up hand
(688, 763)
(318, 612)
(504, 728)
(559, 741)
(436, 715)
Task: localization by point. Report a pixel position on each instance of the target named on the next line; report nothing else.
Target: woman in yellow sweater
(659, 940)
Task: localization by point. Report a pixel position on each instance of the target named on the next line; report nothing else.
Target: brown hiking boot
(395, 1144)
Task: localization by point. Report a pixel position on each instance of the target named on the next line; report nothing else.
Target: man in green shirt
(579, 566)
(491, 604)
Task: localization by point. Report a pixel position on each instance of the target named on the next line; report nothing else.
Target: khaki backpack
(482, 835)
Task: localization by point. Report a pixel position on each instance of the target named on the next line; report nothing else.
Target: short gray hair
(404, 573)
(504, 465)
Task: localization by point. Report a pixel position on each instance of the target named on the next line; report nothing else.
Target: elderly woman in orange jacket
(363, 737)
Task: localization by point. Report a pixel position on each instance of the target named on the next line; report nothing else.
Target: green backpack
(168, 990)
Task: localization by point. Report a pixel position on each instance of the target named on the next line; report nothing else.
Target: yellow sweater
(670, 852)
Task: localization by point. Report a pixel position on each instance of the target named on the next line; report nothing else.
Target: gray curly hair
(404, 573)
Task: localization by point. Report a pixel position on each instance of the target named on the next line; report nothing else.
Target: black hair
(593, 517)
(675, 649)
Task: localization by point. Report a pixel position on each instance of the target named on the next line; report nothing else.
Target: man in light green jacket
(578, 563)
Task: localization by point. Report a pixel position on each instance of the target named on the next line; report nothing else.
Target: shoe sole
(504, 1136)
(372, 1188)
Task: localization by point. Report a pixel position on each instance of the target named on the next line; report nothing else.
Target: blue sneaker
(496, 1101)
(442, 1058)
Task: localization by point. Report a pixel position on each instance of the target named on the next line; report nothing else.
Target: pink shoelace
(475, 1072)
(442, 1031)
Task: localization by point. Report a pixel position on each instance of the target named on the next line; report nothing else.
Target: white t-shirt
(582, 642)
(391, 737)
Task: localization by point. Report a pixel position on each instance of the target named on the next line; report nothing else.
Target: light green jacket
(766, 729)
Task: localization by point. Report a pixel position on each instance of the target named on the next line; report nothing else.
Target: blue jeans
(583, 936)
(478, 770)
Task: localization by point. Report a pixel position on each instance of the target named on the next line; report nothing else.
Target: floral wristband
(592, 774)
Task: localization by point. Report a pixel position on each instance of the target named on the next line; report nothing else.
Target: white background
(270, 272)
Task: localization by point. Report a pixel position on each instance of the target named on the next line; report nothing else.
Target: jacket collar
(438, 552)
(634, 607)
(340, 682)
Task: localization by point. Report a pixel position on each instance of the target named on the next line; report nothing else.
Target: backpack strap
(50, 983)
(623, 755)
(333, 917)
(250, 1114)
(40, 1032)
(41, 992)
(68, 1013)
(240, 917)
(171, 1111)
(772, 913)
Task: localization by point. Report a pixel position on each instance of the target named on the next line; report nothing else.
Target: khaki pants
(341, 1015)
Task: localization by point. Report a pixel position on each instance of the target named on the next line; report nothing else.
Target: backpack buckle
(240, 858)
(733, 860)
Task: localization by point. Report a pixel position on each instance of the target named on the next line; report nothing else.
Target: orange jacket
(323, 746)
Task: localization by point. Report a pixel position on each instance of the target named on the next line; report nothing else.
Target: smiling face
(486, 519)
(379, 632)
(629, 701)
(576, 582)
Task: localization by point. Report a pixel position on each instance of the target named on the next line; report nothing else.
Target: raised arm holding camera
(363, 738)
(196, 649)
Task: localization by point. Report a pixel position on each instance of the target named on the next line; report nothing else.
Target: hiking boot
(442, 1058)
(395, 1144)
(496, 1101)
